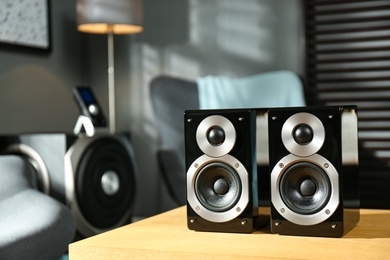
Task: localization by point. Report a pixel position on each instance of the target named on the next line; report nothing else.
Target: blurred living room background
(181, 38)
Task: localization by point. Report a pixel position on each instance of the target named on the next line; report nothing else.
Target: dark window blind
(348, 62)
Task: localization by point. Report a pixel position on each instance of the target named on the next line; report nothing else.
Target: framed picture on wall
(25, 23)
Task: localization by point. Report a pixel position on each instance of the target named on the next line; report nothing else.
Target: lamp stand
(111, 80)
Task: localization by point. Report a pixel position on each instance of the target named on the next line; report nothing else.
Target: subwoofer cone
(305, 188)
(218, 187)
(105, 183)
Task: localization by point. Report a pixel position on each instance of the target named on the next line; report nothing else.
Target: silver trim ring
(36, 160)
(195, 204)
(318, 134)
(202, 140)
(301, 219)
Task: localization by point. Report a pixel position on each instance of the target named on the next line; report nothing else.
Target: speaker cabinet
(221, 170)
(95, 176)
(262, 159)
(313, 157)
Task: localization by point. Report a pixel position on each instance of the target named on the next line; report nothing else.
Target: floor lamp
(110, 17)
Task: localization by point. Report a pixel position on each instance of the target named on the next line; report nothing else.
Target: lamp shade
(109, 16)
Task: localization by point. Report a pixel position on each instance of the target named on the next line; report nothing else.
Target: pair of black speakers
(295, 168)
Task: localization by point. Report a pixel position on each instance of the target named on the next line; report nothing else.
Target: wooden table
(166, 236)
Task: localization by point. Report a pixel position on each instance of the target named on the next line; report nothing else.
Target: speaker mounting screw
(243, 222)
(330, 116)
(237, 165)
(238, 209)
(282, 210)
(197, 208)
(281, 165)
(277, 223)
(334, 226)
(196, 165)
(189, 120)
(327, 212)
(326, 165)
(274, 118)
(192, 220)
(240, 119)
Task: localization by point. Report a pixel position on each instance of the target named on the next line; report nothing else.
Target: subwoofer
(221, 170)
(95, 176)
(313, 159)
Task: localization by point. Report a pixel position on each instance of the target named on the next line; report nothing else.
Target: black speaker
(313, 158)
(95, 176)
(221, 170)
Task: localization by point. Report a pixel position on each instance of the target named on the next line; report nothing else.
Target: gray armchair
(170, 98)
(32, 224)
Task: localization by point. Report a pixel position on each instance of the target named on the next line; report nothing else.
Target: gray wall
(185, 38)
(35, 86)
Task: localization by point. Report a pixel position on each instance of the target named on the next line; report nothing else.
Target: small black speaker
(95, 176)
(221, 170)
(313, 159)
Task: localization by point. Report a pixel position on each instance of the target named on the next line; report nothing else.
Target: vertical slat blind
(348, 62)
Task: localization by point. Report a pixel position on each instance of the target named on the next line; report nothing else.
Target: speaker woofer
(100, 182)
(305, 188)
(103, 204)
(217, 187)
(305, 191)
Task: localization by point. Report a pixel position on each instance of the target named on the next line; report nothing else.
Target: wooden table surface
(166, 236)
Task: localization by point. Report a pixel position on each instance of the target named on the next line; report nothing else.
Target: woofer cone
(202, 181)
(305, 188)
(217, 187)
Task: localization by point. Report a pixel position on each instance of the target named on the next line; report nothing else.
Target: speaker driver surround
(305, 190)
(207, 193)
(303, 134)
(216, 136)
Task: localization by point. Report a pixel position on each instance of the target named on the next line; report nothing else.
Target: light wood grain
(166, 236)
